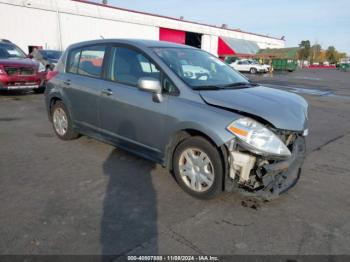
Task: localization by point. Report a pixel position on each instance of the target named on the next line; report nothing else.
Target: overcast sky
(324, 21)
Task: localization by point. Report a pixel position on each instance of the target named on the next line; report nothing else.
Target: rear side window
(73, 61)
(87, 61)
(91, 61)
(127, 66)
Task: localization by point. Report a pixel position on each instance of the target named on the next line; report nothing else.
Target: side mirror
(152, 85)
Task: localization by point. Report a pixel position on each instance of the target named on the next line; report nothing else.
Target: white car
(194, 72)
(250, 66)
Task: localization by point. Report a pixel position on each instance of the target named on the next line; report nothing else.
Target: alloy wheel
(60, 121)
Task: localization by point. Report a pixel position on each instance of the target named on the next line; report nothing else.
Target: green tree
(305, 50)
(331, 54)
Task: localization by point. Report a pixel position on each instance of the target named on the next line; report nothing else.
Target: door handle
(107, 92)
(67, 82)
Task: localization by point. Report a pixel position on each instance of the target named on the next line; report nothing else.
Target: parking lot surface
(86, 197)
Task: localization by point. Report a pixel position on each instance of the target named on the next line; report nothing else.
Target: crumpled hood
(282, 109)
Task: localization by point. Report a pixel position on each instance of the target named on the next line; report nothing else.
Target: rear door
(82, 84)
(240, 66)
(245, 65)
(129, 115)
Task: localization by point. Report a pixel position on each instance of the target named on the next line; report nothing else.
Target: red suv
(17, 71)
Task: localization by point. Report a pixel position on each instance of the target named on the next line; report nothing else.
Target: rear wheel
(198, 167)
(253, 70)
(62, 123)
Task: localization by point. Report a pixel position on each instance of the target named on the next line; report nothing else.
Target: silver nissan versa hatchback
(183, 108)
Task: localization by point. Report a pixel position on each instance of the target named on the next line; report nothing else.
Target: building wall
(72, 25)
(39, 22)
(210, 43)
(26, 27)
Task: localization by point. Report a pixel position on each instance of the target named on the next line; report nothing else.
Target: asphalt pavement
(86, 197)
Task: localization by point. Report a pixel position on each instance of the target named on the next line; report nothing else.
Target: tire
(212, 172)
(65, 132)
(253, 70)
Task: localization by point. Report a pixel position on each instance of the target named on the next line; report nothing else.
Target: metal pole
(59, 28)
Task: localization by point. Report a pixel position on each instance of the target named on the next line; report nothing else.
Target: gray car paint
(282, 109)
(129, 118)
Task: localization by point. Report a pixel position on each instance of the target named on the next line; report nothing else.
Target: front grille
(22, 71)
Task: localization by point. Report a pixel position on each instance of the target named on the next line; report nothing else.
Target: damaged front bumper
(255, 176)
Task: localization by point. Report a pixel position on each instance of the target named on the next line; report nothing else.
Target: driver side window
(128, 66)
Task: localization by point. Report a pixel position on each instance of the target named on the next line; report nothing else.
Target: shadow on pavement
(129, 208)
(15, 92)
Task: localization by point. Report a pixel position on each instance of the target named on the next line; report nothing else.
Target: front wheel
(198, 168)
(253, 70)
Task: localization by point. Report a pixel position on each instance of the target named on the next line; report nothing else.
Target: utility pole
(59, 28)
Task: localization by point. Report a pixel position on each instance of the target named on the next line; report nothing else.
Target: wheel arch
(53, 100)
(183, 134)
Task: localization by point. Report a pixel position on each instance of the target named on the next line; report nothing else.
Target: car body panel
(140, 119)
(282, 109)
(19, 62)
(83, 93)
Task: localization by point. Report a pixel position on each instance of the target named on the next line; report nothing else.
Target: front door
(128, 114)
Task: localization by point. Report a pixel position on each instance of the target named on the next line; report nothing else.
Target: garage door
(171, 35)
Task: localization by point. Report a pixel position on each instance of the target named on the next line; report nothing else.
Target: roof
(5, 41)
(172, 18)
(135, 42)
(241, 46)
(286, 53)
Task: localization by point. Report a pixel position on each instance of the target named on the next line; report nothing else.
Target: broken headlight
(257, 138)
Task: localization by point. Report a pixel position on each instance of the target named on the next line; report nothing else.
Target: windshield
(55, 55)
(199, 69)
(10, 51)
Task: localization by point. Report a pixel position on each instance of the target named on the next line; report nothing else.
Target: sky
(326, 22)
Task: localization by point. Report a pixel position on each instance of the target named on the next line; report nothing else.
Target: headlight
(42, 68)
(258, 138)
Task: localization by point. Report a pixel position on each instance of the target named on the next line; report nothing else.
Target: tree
(315, 53)
(322, 55)
(331, 54)
(304, 52)
(340, 56)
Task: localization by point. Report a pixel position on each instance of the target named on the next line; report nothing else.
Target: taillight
(50, 75)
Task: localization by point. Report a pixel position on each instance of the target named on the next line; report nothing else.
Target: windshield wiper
(241, 84)
(228, 86)
(207, 88)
